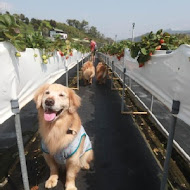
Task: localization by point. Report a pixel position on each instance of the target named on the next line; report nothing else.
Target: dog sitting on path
(101, 73)
(88, 72)
(64, 140)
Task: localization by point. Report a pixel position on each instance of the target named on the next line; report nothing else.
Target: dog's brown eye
(62, 95)
(47, 92)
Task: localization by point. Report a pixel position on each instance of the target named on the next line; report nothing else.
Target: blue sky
(110, 17)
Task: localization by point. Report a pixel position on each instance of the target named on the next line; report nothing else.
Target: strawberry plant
(159, 41)
(82, 47)
(116, 48)
(35, 40)
(10, 31)
(144, 49)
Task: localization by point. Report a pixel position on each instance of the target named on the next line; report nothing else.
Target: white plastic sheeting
(166, 76)
(21, 76)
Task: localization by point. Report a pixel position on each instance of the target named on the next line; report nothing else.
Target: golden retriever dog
(88, 72)
(64, 140)
(101, 73)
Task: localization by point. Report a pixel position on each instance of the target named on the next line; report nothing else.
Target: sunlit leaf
(143, 51)
(9, 35)
(8, 19)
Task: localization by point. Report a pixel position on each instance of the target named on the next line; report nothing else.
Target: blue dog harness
(67, 152)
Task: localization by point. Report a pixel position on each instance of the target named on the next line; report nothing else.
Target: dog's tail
(102, 74)
(88, 74)
(92, 73)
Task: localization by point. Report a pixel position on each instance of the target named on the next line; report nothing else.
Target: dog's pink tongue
(49, 116)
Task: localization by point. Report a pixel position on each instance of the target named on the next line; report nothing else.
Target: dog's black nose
(49, 102)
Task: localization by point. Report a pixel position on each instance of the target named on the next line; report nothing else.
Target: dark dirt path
(122, 158)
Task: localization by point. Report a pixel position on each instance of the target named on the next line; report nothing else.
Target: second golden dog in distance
(88, 72)
(101, 73)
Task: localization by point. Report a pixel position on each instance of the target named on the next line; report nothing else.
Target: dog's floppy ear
(74, 101)
(38, 95)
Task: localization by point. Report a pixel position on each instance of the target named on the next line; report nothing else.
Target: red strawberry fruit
(161, 41)
(61, 53)
(141, 64)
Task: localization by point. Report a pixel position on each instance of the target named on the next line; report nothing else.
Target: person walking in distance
(92, 49)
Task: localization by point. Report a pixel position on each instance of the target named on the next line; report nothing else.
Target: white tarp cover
(166, 76)
(21, 76)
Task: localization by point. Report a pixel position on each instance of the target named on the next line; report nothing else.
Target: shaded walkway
(122, 159)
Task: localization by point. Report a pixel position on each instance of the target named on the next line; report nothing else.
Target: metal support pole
(175, 111)
(82, 59)
(112, 74)
(67, 77)
(152, 102)
(133, 26)
(130, 82)
(78, 74)
(16, 111)
(123, 91)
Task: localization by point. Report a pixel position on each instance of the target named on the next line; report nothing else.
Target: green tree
(69, 22)
(53, 23)
(27, 20)
(75, 23)
(22, 17)
(93, 31)
(36, 23)
(84, 25)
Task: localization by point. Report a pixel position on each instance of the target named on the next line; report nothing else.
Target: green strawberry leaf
(143, 51)
(2, 39)
(9, 36)
(19, 45)
(8, 19)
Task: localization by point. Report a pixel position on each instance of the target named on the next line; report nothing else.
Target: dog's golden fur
(88, 72)
(101, 73)
(55, 133)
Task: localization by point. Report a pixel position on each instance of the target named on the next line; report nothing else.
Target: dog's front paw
(71, 188)
(51, 182)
